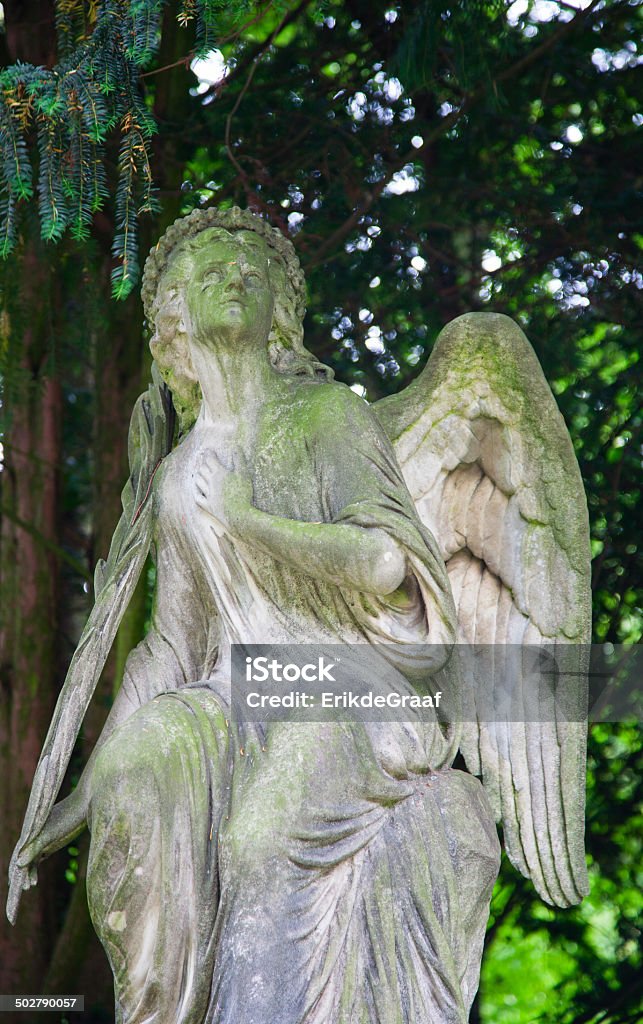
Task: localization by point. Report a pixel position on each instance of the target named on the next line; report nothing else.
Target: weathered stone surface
(320, 872)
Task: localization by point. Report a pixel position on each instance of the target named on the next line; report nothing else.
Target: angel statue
(331, 871)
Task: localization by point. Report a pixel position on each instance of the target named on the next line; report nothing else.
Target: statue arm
(348, 451)
(368, 560)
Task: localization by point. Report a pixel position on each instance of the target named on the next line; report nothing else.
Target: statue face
(229, 295)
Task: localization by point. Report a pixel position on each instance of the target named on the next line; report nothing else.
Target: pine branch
(73, 108)
(52, 203)
(7, 223)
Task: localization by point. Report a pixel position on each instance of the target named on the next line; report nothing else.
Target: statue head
(168, 271)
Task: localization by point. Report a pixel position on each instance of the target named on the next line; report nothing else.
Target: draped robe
(334, 872)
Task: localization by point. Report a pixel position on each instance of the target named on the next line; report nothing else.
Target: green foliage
(468, 29)
(205, 14)
(7, 222)
(583, 966)
(72, 110)
(146, 30)
(71, 872)
(52, 199)
(135, 191)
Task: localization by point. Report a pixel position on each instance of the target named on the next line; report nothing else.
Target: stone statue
(317, 872)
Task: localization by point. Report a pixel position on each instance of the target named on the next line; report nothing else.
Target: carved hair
(168, 269)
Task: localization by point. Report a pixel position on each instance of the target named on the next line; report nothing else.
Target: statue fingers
(27, 855)
(64, 822)
(211, 462)
(19, 880)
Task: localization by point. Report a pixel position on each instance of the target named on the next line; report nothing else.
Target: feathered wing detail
(489, 462)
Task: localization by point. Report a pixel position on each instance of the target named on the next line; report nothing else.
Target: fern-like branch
(72, 108)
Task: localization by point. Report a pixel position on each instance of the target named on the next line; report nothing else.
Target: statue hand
(208, 488)
(66, 820)
(23, 873)
(226, 496)
(20, 878)
(207, 480)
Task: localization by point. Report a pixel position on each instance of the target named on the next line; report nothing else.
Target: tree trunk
(28, 647)
(29, 533)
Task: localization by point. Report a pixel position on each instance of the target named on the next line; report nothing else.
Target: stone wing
(489, 462)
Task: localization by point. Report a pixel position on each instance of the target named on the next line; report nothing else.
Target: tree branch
(258, 51)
